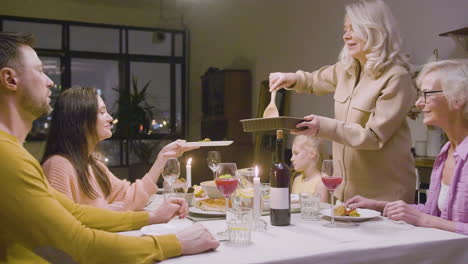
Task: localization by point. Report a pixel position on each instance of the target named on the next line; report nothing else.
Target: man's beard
(34, 108)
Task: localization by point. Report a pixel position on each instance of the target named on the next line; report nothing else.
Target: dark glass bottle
(280, 214)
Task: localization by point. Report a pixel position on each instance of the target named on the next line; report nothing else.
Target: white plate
(209, 143)
(196, 210)
(164, 229)
(365, 215)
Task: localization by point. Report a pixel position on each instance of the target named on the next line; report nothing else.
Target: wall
(262, 35)
(136, 13)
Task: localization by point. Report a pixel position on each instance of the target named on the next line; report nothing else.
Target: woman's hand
(173, 206)
(174, 150)
(312, 125)
(361, 202)
(280, 80)
(400, 210)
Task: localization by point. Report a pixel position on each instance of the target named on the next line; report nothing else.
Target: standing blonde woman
(373, 92)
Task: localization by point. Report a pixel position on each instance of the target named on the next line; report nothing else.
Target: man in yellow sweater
(39, 224)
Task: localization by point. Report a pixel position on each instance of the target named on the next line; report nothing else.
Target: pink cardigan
(123, 196)
(457, 208)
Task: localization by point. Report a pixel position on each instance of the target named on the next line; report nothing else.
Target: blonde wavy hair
(312, 144)
(453, 77)
(374, 23)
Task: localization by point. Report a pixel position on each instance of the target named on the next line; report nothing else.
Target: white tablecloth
(375, 241)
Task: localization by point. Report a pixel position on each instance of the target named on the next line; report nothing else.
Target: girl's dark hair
(72, 129)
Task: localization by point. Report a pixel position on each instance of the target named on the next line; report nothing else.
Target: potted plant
(134, 116)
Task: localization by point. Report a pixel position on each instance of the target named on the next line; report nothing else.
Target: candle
(257, 196)
(188, 170)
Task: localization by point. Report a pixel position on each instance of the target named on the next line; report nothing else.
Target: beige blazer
(369, 133)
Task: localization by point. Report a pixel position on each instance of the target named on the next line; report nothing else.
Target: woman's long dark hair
(72, 129)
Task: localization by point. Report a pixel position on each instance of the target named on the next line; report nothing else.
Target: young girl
(307, 160)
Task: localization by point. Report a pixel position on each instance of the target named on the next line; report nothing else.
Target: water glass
(266, 197)
(310, 205)
(239, 221)
(213, 158)
(171, 172)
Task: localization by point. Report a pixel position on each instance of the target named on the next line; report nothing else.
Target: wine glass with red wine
(332, 175)
(226, 180)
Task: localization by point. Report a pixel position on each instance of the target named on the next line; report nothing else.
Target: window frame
(124, 60)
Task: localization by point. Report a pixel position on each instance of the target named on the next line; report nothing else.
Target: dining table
(377, 240)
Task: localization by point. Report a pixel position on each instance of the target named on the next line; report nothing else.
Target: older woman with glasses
(444, 102)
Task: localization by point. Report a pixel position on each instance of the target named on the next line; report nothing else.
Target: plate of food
(164, 229)
(346, 214)
(208, 143)
(209, 206)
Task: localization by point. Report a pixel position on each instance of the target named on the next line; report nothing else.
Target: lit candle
(188, 170)
(257, 196)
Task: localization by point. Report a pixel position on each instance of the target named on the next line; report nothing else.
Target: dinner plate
(196, 210)
(365, 215)
(164, 229)
(208, 143)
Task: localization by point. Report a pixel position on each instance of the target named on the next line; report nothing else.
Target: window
(109, 57)
(102, 74)
(105, 40)
(49, 35)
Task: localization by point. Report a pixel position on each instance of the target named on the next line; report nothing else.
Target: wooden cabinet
(226, 99)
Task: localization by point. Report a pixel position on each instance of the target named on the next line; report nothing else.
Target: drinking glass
(240, 222)
(310, 205)
(226, 180)
(213, 159)
(171, 172)
(332, 175)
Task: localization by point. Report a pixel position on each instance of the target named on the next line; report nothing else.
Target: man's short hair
(9, 44)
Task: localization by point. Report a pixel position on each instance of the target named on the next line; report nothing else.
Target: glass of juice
(226, 180)
(332, 175)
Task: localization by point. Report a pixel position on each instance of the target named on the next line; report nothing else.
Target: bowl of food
(210, 189)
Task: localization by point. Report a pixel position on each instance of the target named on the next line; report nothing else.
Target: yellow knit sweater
(36, 220)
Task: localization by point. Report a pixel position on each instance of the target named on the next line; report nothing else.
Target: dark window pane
(179, 45)
(101, 74)
(94, 39)
(110, 150)
(124, 41)
(158, 93)
(149, 42)
(49, 36)
(178, 85)
(52, 68)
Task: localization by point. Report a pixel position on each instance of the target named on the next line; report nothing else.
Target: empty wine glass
(226, 180)
(171, 172)
(332, 175)
(213, 159)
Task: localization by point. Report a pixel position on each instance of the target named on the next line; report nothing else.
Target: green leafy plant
(134, 116)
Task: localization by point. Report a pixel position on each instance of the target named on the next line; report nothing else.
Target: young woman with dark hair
(79, 122)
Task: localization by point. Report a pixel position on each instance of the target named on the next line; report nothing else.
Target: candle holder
(259, 223)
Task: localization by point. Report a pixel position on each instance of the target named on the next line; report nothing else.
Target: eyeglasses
(425, 93)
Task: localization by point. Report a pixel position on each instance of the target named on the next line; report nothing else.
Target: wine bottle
(279, 186)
